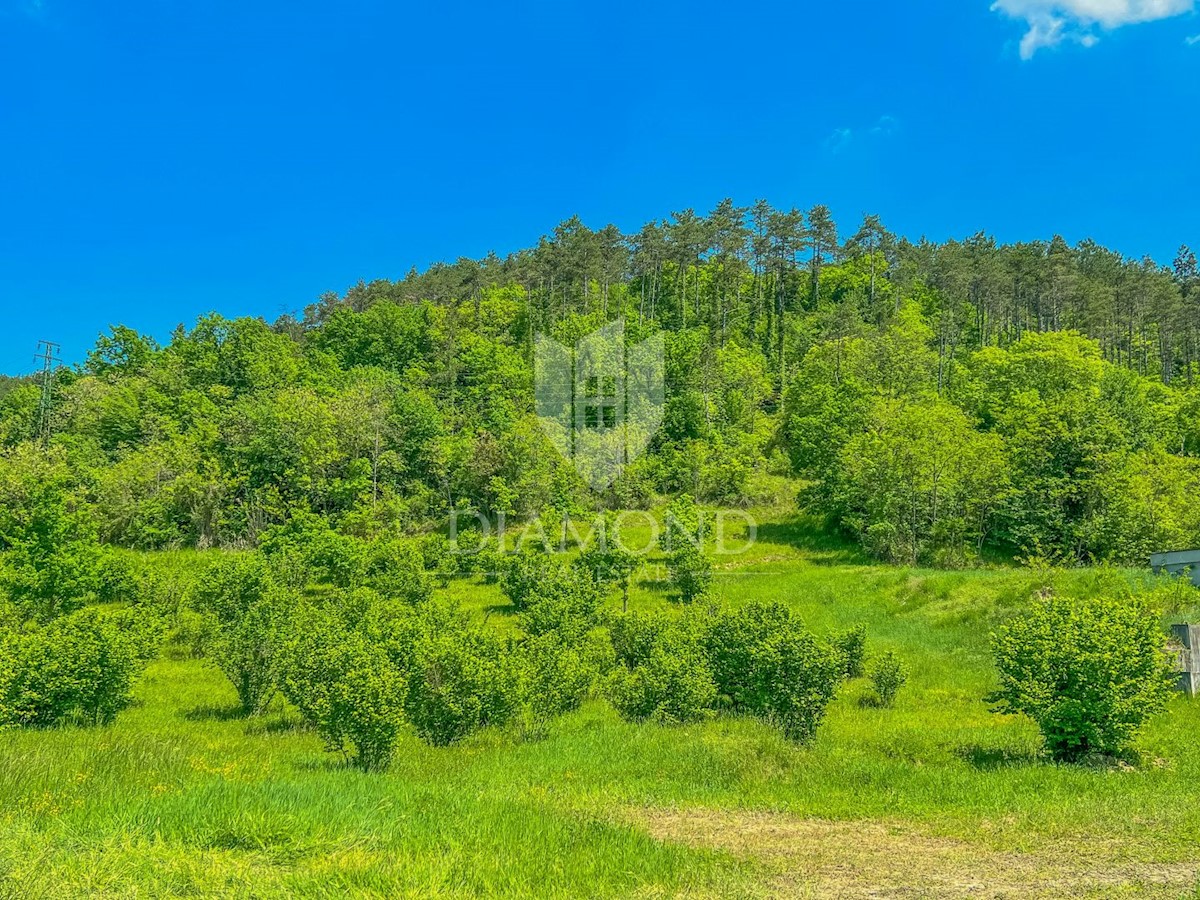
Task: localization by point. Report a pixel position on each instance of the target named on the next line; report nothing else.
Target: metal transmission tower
(47, 355)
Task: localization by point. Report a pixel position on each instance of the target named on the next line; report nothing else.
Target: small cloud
(842, 138)
(886, 126)
(1193, 40)
(839, 140)
(1054, 22)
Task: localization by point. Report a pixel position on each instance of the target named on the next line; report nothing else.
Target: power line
(46, 355)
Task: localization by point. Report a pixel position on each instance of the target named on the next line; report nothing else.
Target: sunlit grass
(182, 796)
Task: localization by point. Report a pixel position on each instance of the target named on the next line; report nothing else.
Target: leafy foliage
(1088, 672)
(80, 665)
(888, 675)
(51, 559)
(765, 663)
(851, 647)
(528, 572)
(609, 563)
(461, 678)
(682, 541)
(344, 684)
(247, 607)
(561, 674)
(665, 676)
(937, 400)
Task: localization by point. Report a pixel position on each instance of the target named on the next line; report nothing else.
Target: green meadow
(183, 795)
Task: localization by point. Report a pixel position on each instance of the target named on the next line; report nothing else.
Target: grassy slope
(181, 797)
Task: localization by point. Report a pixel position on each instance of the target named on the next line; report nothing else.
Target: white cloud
(841, 138)
(1193, 40)
(1051, 22)
(885, 127)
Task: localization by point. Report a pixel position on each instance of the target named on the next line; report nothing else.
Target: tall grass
(183, 796)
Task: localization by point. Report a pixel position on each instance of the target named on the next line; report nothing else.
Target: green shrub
(119, 577)
(567, 604)
(81, 666)
(489, 563)
(232, 584)
(47, 534)
(527, 573)
(245, 651)
(292, 567)
(767, 664)
(665, 677)
(564, 654)
(248, 607)
(306, 543)
(682, 541)
(888, 675)
(609, 564)
(852, 649)
(690, 572)
(396, 570)
(143, 629)
(634, 636)
(559, 676)
(1089, 672)
(195, 632)
(461, 678)
(438, 557)
(344, 685)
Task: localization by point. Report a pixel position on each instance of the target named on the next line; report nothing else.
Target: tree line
(937, 402)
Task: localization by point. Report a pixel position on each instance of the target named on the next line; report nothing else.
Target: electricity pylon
(47, 355)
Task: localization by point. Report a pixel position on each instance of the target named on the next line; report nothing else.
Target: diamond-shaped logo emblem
(601, 401)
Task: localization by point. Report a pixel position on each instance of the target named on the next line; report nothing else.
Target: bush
(119, 577)
(48, 535)
(526, 574)
(79, 666)
(247, 605)
(888, 675)
(665, 677)
(564, 654)
(567, 604)
(232, 584)
(609, 564)
(344, 685)
(767, 664)
(245, 652)
(461, 678)
(1088, 672)
(396, 570)
(143, 629)
(851, 647)
(195, 632)
(690, 571)
(682, 541)
(438, 557)
(559, 676)
(306, 545)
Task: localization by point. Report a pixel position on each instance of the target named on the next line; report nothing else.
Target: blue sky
(160, 159)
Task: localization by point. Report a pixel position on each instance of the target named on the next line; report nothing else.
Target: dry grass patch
(827, 859)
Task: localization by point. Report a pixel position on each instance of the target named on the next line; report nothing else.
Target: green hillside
(186, 796)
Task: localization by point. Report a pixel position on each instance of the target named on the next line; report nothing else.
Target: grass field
(935, 797)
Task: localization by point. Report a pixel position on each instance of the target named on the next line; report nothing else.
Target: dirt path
(823, 859)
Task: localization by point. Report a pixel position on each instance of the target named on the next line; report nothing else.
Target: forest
(940, 403)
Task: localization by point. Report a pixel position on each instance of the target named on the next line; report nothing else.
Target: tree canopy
(934, 399)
